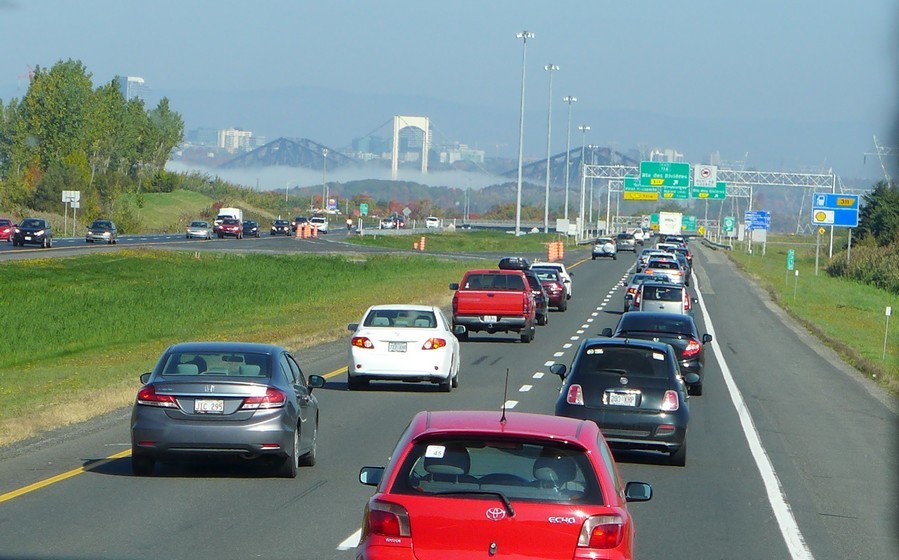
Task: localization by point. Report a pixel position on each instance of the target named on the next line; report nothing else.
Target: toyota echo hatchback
(482, 484)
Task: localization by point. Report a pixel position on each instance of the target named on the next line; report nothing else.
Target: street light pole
(549, 127)
(568, 99)
(592, 162)
(524, 36)
(324, 180)
(583, 175)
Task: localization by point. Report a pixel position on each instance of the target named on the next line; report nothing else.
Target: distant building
(131, 87)
(461, 152)
(235, 140)
(667, 154)
(203, 137)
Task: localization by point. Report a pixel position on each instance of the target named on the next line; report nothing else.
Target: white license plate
(396, 346)
(27, 238)
(209, 406)
(623, 399)
(489, 318)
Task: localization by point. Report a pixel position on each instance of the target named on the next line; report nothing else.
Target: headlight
(41, 232)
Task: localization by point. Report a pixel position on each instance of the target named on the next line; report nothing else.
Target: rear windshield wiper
(499, 495)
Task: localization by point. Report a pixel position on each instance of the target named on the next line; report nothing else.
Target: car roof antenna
(505, 394)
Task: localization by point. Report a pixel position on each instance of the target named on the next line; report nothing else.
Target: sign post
(886, 333)
(791, 264)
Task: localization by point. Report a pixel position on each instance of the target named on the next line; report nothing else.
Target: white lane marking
(525, 388)
(575, 338)
(590, 320)
(510, 404)
(567, 345)
(548, 363)
(782, 512)
(606, 299)
(537, 375)
(580, 331)
(351, 542)
(585, 326)
(558, 354)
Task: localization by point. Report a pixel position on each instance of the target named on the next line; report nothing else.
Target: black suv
(33, 231)
(514, 263)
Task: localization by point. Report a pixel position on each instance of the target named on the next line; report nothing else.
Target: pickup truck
(494, 301)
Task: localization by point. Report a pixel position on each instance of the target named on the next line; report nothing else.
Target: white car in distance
(432, 222)
(404, 342)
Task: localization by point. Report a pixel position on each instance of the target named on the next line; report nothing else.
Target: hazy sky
(803, 61)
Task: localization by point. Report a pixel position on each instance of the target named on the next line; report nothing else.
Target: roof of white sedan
(402, 306)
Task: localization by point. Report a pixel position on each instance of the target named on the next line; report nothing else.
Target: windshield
(519, 469)
(31, 224)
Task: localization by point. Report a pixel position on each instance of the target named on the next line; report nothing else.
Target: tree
(879, 213)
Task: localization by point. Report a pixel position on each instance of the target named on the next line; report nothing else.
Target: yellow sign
(701, 230)
(636, 195)
(821, 231)
(846, 202)
(656, 182)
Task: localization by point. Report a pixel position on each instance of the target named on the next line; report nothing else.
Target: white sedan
(401, 342)
(432, 222)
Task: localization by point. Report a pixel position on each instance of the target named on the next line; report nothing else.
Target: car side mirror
(371, 476)
(145, 377)
(454, 286)
(352, 327)
(558, 369)
(637, 492)
(706, 338)
(315, 382)
(460, 329)
(607, 332)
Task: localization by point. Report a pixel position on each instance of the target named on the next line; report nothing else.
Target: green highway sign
(665, 174)
(634, 190)
(689, 223)
(729, 223)
(676, 191)
(718, 192)
(791, 259)
(654, 222)
(363, 209)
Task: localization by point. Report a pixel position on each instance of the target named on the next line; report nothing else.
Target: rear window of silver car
(663, 293)
(234, 364)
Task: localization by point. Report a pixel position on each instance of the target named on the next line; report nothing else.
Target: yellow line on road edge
(60, 477)
(75, 472)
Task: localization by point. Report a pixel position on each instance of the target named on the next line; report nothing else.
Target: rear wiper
(499, 495)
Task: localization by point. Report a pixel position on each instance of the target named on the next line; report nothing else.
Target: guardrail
(712, 245)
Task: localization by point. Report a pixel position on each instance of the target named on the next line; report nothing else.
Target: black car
(250, 229)
(281, 227)
(541, 311)
(677, 330)
(225, 399)
(634, 392)
(33, 231)
(298, 221)
(102, 230)
(514, 263)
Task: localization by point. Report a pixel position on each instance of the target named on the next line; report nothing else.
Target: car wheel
(679, 457)
(356, 383)
(614, 257)
(456, 379)
(221, 236)
(289, 466)
(44, 243)
(528, 335)
(542, 320)
(593, 257)
(309, 458)
(447, 385)
(141, 465)
(696, 389)
(563, 306)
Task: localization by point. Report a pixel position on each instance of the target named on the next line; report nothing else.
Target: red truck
(494, 301)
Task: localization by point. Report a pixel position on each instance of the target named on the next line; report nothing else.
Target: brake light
(637, 297)
(601, 531)
(631, 290)
(385, 519)
(687, 304)
(433, 344)
(148, 396)
(362, 342)
(273, 398)
(575, 395)
(693, 348)
(670, 402)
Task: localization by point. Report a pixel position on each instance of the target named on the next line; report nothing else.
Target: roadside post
(818, 247)
(791, 264)
(796, 286)
(886, 333)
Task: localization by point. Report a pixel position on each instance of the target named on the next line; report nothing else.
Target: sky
(789, 84)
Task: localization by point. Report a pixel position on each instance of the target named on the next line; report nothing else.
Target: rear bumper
(475, 323)
(625, 430)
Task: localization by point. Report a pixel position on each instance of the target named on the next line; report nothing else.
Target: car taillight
(670, 402)
(601, 531)
(362, 342)
(687, 304)
(575, 395)
(273, 398)
(148, 396)
(631, 290)
(433, 344)
(637, 298)
(386, 519)
(693, 348)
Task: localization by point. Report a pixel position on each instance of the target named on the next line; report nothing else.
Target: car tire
(142, 465)
(614, 257)
(593, 257)
(696, 389)
(528, 334)
(289, 465)
(446, 386)
(563, 306)
(221, 236)
(455, 381)
(356, 383)
(679, 458)
(542, 320)
(310, 457)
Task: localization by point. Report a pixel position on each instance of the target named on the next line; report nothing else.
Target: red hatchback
(6, 229)
(554, 287)
(477, 484)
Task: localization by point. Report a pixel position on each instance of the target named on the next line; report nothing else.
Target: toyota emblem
(496, 514)
(622, 380)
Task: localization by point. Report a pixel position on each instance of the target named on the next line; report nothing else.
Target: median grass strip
(849, 316)
(84, 328)
(461, 241)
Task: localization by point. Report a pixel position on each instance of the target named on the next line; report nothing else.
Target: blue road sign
(829, 209)
(757, 219)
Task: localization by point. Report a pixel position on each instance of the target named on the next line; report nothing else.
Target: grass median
(82, 329)
(848, 316)
(460, 241)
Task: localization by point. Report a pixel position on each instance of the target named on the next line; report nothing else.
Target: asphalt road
(790, 455)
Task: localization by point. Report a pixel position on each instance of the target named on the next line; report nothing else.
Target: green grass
(848, 315)
(162, 211)
(461, 241)
(89, 324)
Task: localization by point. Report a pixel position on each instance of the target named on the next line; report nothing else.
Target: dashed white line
(548, 363)
(559, 354)
(575, 338)
(567, 345)
(510, 404)
(585, 326)
(537, 375)
(525, 388)
(580, 331)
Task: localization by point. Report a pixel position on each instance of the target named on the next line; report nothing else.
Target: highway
(790, 454)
